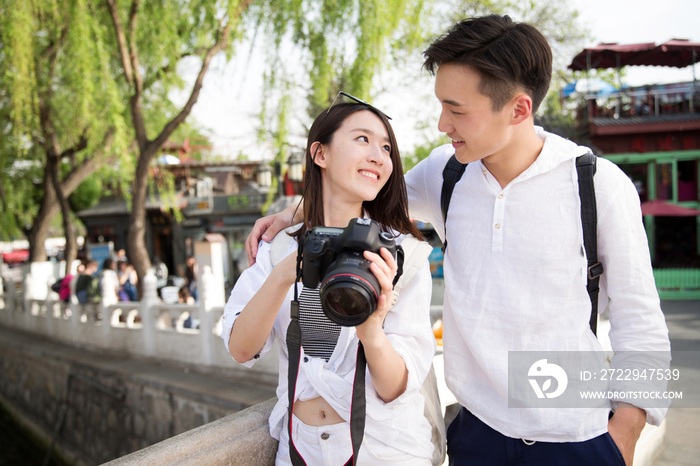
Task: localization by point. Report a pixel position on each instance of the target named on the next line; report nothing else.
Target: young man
(515, 267)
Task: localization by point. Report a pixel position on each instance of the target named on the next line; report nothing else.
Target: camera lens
(348, 303)
(349, 290)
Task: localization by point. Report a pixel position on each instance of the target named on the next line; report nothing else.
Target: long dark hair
(389, 208)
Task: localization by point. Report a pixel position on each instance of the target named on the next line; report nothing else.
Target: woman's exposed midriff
(316, 412)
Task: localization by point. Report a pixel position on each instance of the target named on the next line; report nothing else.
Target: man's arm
(638, 334)
(267, 227)
(625, 427)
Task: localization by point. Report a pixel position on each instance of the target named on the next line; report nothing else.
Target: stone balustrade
(147, 328)
(241, 439)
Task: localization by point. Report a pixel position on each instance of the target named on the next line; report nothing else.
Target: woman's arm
(255, 322)
(386, 367)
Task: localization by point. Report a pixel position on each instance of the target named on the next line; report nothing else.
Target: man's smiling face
(467, 116)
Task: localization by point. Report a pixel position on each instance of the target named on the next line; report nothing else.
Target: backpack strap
(451, 174)
(586, 168)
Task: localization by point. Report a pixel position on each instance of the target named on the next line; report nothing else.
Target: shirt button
(484, 172)
(306, 359)
(325, 436)
(498, 226)
(500, 196)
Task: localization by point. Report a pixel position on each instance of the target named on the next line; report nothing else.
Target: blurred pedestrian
(191, 273)
(127, 282)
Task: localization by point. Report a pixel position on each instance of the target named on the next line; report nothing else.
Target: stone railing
(147, 328)
(241, 439)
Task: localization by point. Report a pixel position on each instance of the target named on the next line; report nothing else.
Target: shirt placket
(499, 208)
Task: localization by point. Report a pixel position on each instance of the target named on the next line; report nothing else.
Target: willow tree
(317, 48)
(65, 114)
(90, 80)
(151, 38)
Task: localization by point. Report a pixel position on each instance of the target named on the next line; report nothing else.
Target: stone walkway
(681, 446)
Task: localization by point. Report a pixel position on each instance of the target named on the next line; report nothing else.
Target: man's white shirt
(515, 280)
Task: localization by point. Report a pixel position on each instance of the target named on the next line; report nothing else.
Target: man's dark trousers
(470, 442)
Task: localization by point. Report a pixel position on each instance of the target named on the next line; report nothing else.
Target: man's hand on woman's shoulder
(266, 228)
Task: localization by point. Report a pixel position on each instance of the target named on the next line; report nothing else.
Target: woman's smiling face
(357, 162)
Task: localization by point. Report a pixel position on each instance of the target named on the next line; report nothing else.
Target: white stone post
(149, 298)
(75, 310)
(10, 304)
(48, 302)
(28, 287)
(207, 300)
(106, 324)
(41, 273)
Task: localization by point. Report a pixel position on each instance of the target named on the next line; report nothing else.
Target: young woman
(353, 170)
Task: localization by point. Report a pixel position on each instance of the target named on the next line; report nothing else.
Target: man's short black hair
(509, 57)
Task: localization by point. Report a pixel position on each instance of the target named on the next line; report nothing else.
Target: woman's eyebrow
(369, 131)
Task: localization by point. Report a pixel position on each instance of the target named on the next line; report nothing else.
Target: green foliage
(421, 152)
(343, 44)
(21, 189)
(87, 194)
(54, 60)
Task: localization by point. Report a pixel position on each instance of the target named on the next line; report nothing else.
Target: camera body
(334, 257)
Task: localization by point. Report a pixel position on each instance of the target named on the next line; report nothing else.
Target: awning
(678, 53)
(19, 255)
(660, 208)
(608, 55)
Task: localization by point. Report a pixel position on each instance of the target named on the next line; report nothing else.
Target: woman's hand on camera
(384, 268)
(386, 367)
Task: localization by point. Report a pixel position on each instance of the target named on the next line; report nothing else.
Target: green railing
(678, 283)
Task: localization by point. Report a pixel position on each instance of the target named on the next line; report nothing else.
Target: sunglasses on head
(359, 101)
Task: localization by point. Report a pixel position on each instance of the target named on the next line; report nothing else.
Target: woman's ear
(318, 154)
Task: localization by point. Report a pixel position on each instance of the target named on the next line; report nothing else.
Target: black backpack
(586, 167)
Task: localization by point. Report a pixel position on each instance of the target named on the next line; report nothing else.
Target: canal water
(16, 449)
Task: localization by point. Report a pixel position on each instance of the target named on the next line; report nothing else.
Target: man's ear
(318, 154)
(522, 108)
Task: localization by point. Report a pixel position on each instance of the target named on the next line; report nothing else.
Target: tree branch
(82, 144)
(90, 164)
(138, 79)
(54, 46)
(132, 19)
(121, 41)
(51, 144)
(221, 43)
(130, 63)
(164, 69)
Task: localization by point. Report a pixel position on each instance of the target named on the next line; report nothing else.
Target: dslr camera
(334, 257)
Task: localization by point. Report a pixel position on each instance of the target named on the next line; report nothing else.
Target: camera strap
(358, 406)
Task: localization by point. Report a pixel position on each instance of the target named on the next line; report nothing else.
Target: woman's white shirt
(400, 423)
